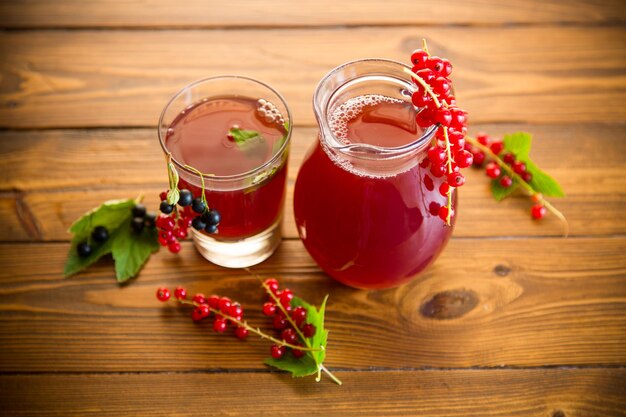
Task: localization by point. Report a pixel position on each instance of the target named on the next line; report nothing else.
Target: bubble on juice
(268, 112)
(339, 119)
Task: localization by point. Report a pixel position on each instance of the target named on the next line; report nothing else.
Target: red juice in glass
(244, 179)
(365, 209)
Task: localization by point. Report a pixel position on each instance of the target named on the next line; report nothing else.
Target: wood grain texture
(124, 78)
(468, 393)
(50, 179)
(563, 309)
(286, 13)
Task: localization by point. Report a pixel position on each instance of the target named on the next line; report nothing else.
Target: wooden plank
(467, 393)
(285, 13)
(515, 307)
(124, 78)
(57, 180)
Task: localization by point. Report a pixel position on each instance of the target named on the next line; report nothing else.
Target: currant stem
(250, 328)
(530, 191)
(330, 375)
(189, 167)
(425, 85)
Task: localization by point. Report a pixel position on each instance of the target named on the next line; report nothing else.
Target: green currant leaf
(131, 250)
(519, 143)
(499, 192)
(316, 318)
(298, 367)
(542, 182)
(110, 215)
(76, 264)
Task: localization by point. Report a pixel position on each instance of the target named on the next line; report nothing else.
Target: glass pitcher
(365, 209)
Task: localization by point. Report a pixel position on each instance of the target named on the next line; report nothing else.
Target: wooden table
(81, 86)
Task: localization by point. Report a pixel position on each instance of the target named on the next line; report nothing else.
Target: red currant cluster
(496, 172)
(224, 310)
(291, 329)
(437, 106)
(174, 223)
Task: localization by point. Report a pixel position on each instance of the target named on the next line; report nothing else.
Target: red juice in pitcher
(199, 137)
(368, 214)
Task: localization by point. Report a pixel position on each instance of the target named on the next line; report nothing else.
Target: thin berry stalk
(256, 331)
(201, 175)
(425, 85)
(445, 135)
(525, 186)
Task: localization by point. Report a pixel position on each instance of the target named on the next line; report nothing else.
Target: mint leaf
(304, 366)
(131, 250)
(241, 136)
(519, 143)
(499, 192)
(542, 182)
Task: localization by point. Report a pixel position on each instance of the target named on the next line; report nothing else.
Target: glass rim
(383, 151)
(233, 177)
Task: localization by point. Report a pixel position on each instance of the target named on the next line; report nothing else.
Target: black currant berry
(83, 249)
(185, 198)
(137, 224)
(150, 220)
(212, 217)
(198, 223)
(211, 228)
(100, 234)
(165, 207)
(139, 210)
(197, 205)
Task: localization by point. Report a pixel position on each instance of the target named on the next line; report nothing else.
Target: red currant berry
(463, 159)
(444, 188)
(421, 99)
(433, 208)
(497, 147)
(298, 315)
(179, 233)
(277, 352)
(162, 241)
(174, 246)
(508, 158)
(285, 297)
(180, 293)
(446, 70)
(506, 181)
(269, 309)
(479, 158)
(199, 298)
(538, 211)
(443, 116)
(428, 182)
(214, 301)
(527, 176)
(297, 353)
(493, 170)
(455, 135)
(308, 330)
(435, 63)
(163, 294)
(443, 213)
(426, 74)
(235, 311)
(272, 284)
(419, 58)
(289, 336)
(424, 118)
(483, 139)
(219, 324)
(241, 332)
(200, 312)
(456, 179)
(166, 235)
(519, 167)
(459, 117)
(437, 155)
(438, 170)
(168, 224)
(279, 322)
(225, 304)
(163, 195)
(441, 86)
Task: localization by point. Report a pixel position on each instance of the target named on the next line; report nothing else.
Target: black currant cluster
(100, 234)
(202, 217)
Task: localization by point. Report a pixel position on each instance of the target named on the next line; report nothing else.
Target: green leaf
(542, 182)
(110, 214)
(172, 196)
(241, 136)
(131, 250)
(499, 192)
(298, 367)
(76, 264)
(519, 143)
